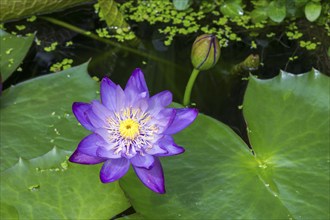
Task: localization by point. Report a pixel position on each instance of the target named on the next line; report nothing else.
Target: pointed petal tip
(137, 70)
(183, 118)
(181, 150)
(107, 79)
(79, 110)
(72, 158)
(137, 79)
(106, 82)
(108, 92)
(77, 105)
(195, 111)
(152, 178)
(145, 161)
(159, 191)
(81, 158)
(137, 73)
(114, 169)
(105, 180)
(171, 148)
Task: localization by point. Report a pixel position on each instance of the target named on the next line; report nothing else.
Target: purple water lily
(129, 127)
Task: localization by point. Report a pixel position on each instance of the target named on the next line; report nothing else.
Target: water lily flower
(130, 128)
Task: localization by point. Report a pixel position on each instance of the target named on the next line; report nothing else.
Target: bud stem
(190, 84)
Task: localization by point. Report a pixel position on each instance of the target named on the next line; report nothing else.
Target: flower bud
(205, 52)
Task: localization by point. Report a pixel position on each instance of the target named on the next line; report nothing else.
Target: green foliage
(308, 45)
(229, 20)
(219, 178)
(52, 47)
(107, 10)
(163, 12)
(38, 132)
(63, 65)
(12, 52)
(116, 25)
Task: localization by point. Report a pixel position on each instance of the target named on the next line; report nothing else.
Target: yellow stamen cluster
(129, 129)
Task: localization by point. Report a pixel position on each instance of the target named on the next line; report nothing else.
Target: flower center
(129, 129)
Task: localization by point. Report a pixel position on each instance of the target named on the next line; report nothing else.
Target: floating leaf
(313, 10)
(110, 13)
(10, 10)
(219, 178)
(38, 132)
(182, 5)
(60, 192)
(231, 9)
(258, 15)
(276, 11)
(12, 52)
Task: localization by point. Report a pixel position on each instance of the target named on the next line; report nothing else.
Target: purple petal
(105, 153)
(137, 83)
(156, 150)
(89, 144)
(183, 118)
(152, 178)
(163, 98)
(101, 111)
(114, 169)
(159, 101)
(167, 143)
(120, 99)
(108, 93)
(145, 161)
(142, 104)
(94, 120)
(81, 158)
(164, 119)
(103, 133)
(79, 109)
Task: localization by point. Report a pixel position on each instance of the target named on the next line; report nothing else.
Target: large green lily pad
(38, 132)
(218, 177)
(50, 186)
(12, 52)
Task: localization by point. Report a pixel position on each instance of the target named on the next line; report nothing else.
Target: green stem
(96, 37)
(190, 84)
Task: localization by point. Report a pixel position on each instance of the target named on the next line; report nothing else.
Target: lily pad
(182, 5)
(258, 15)
(38, 132)
(313, 10)
(231, 9)
(12, 52)
(277, 11)
(289, 131)
(218, 177)
(50, 186)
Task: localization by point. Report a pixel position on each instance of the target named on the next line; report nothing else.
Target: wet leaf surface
(12, 52)
(219, 178)
(38, 132)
